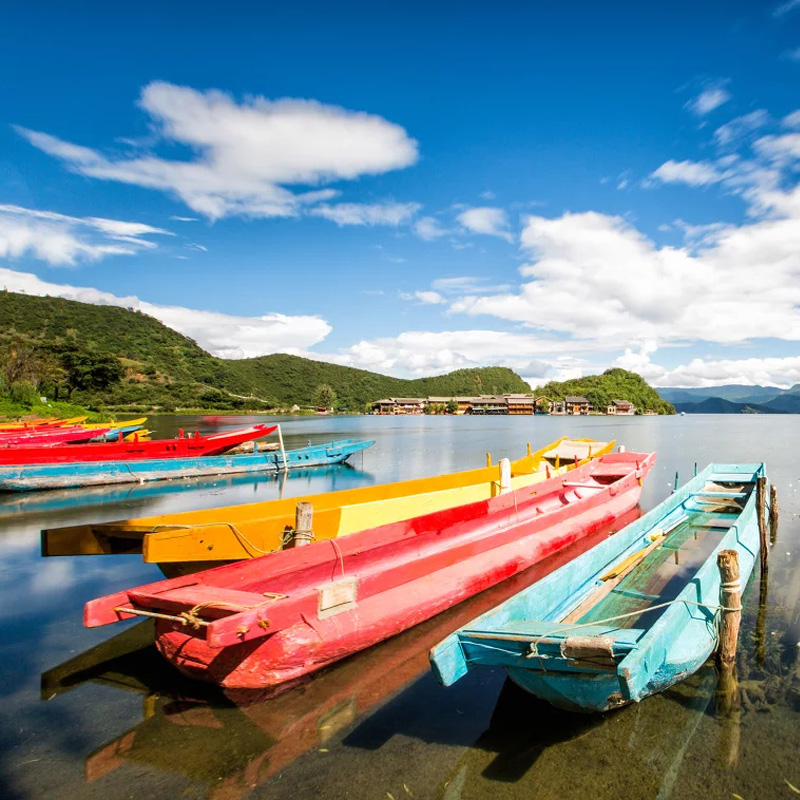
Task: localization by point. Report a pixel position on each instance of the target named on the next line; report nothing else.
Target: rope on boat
(236, 532)
(715, 608)
(534, 643)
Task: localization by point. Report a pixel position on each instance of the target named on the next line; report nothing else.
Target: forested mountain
(602, 390)
(120, 358)
(734, 399)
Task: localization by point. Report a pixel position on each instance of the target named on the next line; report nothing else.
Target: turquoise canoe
(628, 618)
(34, 477)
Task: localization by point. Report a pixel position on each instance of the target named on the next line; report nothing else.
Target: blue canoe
(628, 618)
(71, 475)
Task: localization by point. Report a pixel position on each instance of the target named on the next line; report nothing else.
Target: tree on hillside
(324, 395)
(87, 370)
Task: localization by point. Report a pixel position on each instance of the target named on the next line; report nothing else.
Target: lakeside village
(514, 404)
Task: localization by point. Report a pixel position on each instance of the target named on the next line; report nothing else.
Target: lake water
(119, 722)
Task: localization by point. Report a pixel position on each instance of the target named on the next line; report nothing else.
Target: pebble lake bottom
(98, 714)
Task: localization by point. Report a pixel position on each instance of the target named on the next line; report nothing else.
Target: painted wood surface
(262, 622)
(232, 533)
(71, 475)
(650, 650)
(181, 447)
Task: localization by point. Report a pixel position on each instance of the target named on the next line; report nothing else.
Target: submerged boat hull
(586, 658)
(67, 476)
(332, 599)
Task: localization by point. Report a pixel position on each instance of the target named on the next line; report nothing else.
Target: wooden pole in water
(761, 511)
(283, 449)
(730, 598)
(302, 534)
(773, 514)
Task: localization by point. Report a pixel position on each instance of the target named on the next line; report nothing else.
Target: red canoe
(75, 434)
(272, 619)
(181, 447)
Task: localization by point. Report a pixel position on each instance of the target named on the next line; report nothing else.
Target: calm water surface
(96, 713)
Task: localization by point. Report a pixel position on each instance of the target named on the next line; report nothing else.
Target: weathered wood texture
(731, 602)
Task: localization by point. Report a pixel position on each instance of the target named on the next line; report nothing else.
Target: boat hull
(72, 475)
(313, 643)
(249, 530)
(534, 635)
(332, 599)
(181, 447)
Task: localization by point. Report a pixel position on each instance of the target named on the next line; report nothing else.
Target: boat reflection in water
(232, 741)
(651, 738)
(139, 495)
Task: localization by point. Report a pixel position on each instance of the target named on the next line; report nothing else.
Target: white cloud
(598, 279)
(61, 240)
(428, 229)
(223, 335)
(429, 298)
(245, 155)
(434, 352)
(793, 55)
(392, 214)
(486, 220)
(713, 96)
(732, 133)
(693, 173)
(791, 120)
(781, 149)
(782, 372)
(184, 219)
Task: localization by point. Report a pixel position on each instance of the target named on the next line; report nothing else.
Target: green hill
(67, 348)
(613, 384)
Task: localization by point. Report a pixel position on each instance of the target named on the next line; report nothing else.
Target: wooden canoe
(631, 616)
(248, 530)
(35, 477)
(180, 447)
(48, 437)
(262, 622)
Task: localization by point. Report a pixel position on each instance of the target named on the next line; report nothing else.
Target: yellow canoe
(127, 423)
(28, 423)
(243, 531)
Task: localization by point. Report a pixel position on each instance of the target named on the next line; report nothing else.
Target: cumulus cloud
(713, 96)
(596, 277)
(61, 240)
(244, 156)
(782, 372)
(392, 214)
(428, 229)
(429, 298)
(432, 352)
(223, 335)
(693, 173)
(486, 220)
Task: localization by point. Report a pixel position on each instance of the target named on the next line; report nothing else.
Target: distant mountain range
(734, 399)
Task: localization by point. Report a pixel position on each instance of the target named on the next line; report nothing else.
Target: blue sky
(417, 187)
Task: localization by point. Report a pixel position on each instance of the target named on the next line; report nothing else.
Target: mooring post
(730, 598)
(302, 534)
(505, 476)
(761, 511)
(488, 459)
(283, 449)
(675, 485)
(773, 514)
